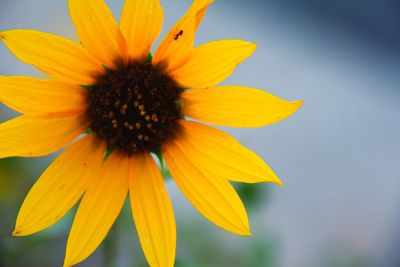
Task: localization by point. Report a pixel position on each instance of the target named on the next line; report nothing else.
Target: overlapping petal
(213, 197)
(60, 186)
(60, 58)
(98, 31)
(222, 156)
(152, 212)
(32, 137)
(42, 98)
(98, 209)
(177, 46)
(212, 63)
(236, 106)
(141, 23)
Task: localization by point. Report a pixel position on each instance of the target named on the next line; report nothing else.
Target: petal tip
(21, 231)
(296, 105)
(299, 103)
(17, 232)
(251, 46)
(204, 3)
(5, 34)
(209, 2)
(66, 264)
(248, 49)
(273, 178)
(279, 182)
(244, 227)
(245, 232)
(71, 259)
(292, 107)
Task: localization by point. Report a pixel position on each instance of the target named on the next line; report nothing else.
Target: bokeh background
(339, 156)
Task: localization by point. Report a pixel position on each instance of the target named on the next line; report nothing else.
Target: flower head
(111, 105)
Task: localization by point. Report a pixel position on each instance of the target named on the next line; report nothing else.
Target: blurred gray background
(338, 155)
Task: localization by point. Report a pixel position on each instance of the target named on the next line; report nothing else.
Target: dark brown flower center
(134, 108)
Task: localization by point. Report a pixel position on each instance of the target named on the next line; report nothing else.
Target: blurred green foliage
(200, 244)
(201, 247)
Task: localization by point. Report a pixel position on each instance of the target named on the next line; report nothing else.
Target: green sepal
(108, 153)
(149, 58)
(87, 87)
(163, 169)
(106, 69)
(160, 158)
(182, 90)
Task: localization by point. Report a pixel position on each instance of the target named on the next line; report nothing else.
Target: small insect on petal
(179, 34)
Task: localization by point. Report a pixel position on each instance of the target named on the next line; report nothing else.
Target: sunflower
(112, 106)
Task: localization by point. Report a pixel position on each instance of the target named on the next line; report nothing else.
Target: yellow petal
(213, 197)
(141, 23)
(60, 186)
(152, 212)
(98, 31)
(98, 210)
(221, 155)
(200, 7)
(178, 44)
(33, 137)
(236, 106)
(212, 63)
(43, 98)
(60, 58)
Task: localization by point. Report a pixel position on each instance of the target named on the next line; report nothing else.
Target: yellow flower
(133, 106)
